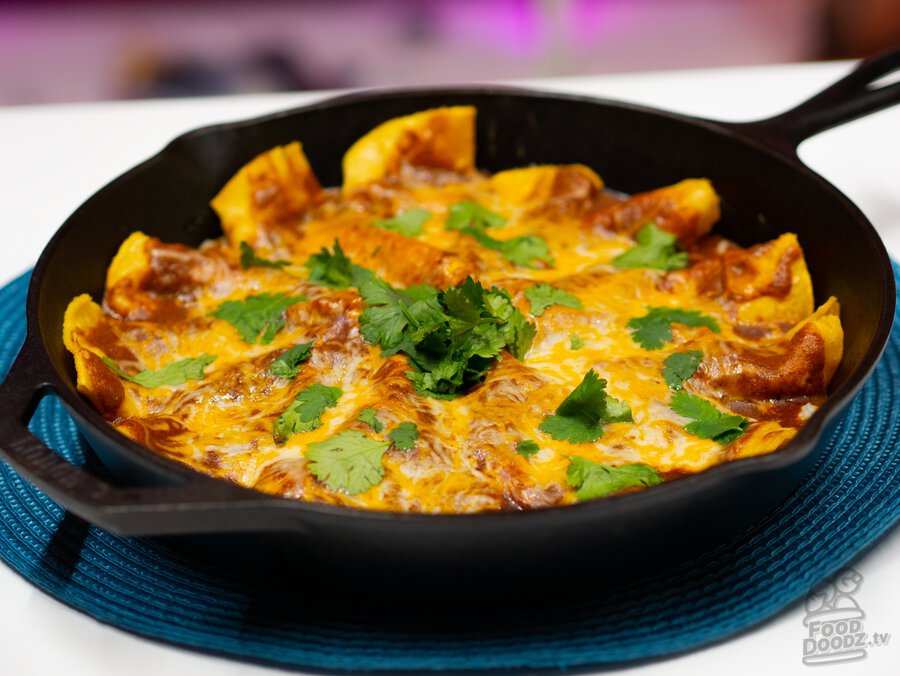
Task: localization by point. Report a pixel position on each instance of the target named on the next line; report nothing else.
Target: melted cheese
(771, 361)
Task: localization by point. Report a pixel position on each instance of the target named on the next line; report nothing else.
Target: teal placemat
(847, 501)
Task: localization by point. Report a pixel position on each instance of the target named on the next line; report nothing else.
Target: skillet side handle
(197, 505)
(851, 97)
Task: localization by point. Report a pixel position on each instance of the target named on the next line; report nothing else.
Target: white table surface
(54, 157)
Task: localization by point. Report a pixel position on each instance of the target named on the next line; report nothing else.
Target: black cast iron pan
(765, 190)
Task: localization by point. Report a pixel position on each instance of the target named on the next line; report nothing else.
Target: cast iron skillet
(765, 191)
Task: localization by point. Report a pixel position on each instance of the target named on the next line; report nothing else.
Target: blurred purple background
(82, 51)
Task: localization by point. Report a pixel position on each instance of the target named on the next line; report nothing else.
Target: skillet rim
(241, 497)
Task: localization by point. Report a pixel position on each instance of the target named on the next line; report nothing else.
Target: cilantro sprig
(407, 222)
(349, 461)
(680, 366)
(541, 296)
(404, 436)
(288, 363)
(594, 480)
(580, 418)
(249, 259)
(394, 317)
(173, 374)
(656, 249)
(257, 318)
(304, 414)
(335, 270)
(576, 342)
(709, 422)
(450, 337)
(655, 328)
(472, 219)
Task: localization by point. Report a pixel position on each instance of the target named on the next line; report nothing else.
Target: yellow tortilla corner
(81, 314)
(441, 138)
(535, 185)
(131, 257)
(274, 187)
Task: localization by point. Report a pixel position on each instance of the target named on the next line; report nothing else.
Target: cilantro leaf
(404, 436)
(334, 269)
(250, 259)
(680, 366)
(257, 318)
(580, 418)
(526, 448)
(367, 415)
(407, 222)
(522, 250)
(594, 480)
(483, 238)
(451, 338)
(525, 250)
(472, 219)
(709, 421)
(288, 363)
(655, 328)
(650, 331)
(656, 249)
(467, 213)
(543, 296)
(304, 414)
(173, 374)
(576, 342)
(349, 462)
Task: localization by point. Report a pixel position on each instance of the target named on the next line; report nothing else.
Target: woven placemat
(847, 501)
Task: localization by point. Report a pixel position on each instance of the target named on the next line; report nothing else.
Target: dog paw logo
(835, 621)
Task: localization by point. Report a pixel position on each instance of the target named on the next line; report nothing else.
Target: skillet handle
(198, 504)
(850, 97)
